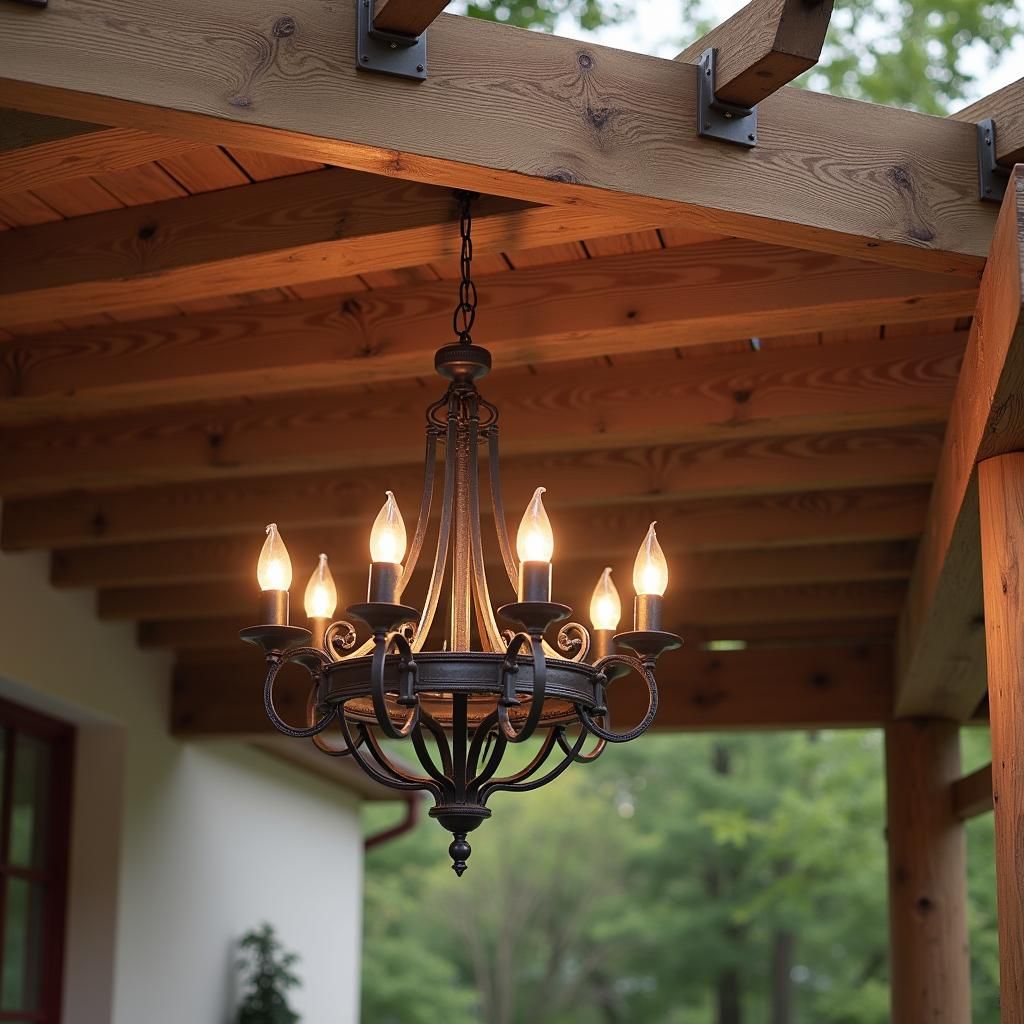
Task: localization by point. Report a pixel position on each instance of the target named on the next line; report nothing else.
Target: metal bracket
(388, 52)
(993, 177)
(717, 120)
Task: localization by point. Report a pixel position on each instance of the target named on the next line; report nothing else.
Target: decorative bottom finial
(459, 852)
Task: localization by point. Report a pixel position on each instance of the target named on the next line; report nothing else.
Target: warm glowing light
(387, 538)
(650, 570)
(605, 606)
(534, 541)
(274, 569)
(321, 594)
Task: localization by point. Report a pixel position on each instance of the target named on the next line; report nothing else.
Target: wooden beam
(972, 794)
(19, 130)
(813, 688)
(763, 47)
(941, 652)
(1006, 108)
(930, 965)
(907, 382)
(272, 234)
(619, 128)
(406, 17)
(1001, 486)
(658, 300)
(741, 467)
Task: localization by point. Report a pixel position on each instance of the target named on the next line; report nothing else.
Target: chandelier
(460, 697)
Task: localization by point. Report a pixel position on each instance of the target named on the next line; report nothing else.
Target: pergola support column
(1001, 494)
(930, 964)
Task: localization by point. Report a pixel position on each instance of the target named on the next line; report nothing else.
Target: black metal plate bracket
(388, 52)
(717, 120)
(992, 176)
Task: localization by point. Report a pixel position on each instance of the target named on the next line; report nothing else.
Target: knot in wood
(284, 27)
(585, 61)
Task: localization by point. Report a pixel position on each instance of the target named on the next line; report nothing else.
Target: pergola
(228, 265)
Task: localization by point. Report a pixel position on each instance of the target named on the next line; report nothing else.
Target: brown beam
(941, 653)
(972, 794)
(1001, 486)
(904, 192)
(406, 17)
(906, 382)
(658, 300)
(930, 965)
(814, 688)
(272, 234)
(1006, 108)
(763, 47)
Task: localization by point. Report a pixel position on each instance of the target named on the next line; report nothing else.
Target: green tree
(268, 977)
(543, 14)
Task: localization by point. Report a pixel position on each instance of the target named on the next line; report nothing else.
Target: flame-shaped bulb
(387, 538)
(650, 570)
(321, 594)
(534, 541)
(605, 606)
(274, 569)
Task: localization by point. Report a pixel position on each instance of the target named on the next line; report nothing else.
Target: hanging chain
(465, 311)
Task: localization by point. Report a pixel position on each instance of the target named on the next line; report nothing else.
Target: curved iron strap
(567, 641)
(426, 503)
(509, 668)
(539, 759)
(488, 727)
(389, 776)
(407, 695)
(274, 665)
(526, 786)
(378, 754)
(318, 741)
(443, 776)
(647, 672)
(592, 755)
(476, 747)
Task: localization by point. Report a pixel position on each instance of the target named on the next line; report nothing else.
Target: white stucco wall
(177, 848)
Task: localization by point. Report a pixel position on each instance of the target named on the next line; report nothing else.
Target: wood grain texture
(407, 17)
(742, 467)
(665, 299)
(800, 688)
(929, 956)
(1001, 485)
(906, 382)
(1006, 108)
(941, 651)
(276, 233)
(619, 128)
(18, 130)
(763, 47)
(972, 794)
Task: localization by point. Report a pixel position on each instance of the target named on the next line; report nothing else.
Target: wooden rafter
(406, 17)
(941, 642)
(1006, 108)
(972, 794)
(619, 128)
(907, 382)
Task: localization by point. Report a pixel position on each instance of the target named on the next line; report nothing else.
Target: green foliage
(543, 14)
(267, 976)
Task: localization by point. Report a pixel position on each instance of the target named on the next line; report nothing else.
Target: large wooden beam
(773, 465)
(1001, 485)
(662, 299)
(619, 128)
(930, 964)
(972, 794)
(941, 651)
(1006, 108)
(821, 687)
(276, 233)
(906, 382)
(763, 47)
(406, 17)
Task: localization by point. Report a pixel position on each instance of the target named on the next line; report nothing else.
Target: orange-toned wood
(972, 794)
(930, 965)
(763, 47)
(1001, 485)
(407, 17)
(619, 128)
(1006, 108)
(941, 654)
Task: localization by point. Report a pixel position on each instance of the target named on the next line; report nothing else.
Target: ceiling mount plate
(387, 52)
(717, 120)
(992, 176)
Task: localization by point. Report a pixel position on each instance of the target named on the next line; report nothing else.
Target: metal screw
(419, 67)
(365, 59)
(751, 136)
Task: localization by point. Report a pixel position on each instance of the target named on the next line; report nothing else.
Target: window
(35, 805)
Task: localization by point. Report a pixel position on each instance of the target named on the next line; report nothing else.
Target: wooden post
(1001, 493)
(927, 875)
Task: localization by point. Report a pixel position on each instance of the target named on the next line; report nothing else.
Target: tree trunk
(783, 946)
(728, 985)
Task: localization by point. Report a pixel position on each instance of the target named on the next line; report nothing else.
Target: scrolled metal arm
(508, 699)
(407, 687)
(645, 669)
(303, 656)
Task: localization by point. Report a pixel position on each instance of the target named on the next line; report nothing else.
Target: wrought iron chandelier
(462, 700)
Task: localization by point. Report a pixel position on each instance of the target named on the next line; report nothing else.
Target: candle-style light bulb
(650, 570)
(274, 569)
(321, 594)
(534, 541)
(605, 606)
(387, 537)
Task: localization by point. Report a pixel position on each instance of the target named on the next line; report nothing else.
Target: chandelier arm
(443, 534)
(538, 762)
(509, 668)
(498, 505)
(426, 503)
(646, 671)
(592, 755)
(527, 785)
(490, 767)
(378, 754)
(442, 776)
(274, 665)
(318, 741)
(386, 775)
(486, 622)
(479, 741)
(382, 644)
